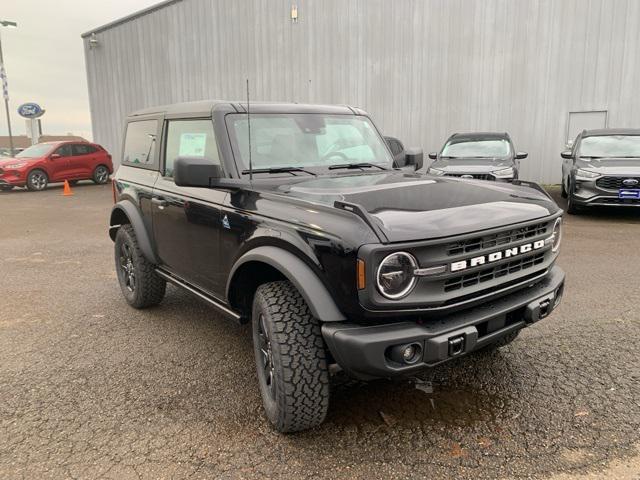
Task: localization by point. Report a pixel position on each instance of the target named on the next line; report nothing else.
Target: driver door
(59, 166)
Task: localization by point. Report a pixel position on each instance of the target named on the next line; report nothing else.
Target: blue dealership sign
(30, 110)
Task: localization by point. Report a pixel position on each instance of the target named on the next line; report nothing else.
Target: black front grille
(497, 239)
(615, 183)
(620, 201)
(476, 176)
(492, 273)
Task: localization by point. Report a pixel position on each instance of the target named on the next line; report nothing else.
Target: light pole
(5, 89)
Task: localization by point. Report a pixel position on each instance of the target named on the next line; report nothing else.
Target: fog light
(407, 354)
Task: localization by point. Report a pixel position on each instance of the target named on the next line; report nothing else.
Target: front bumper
(366, 351)
(15, 179)
(588, 194)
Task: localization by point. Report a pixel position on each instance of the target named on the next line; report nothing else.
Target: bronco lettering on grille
(495, 256)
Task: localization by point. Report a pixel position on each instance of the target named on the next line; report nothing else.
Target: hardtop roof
(599, 132)
(480, 136)
(205, 107)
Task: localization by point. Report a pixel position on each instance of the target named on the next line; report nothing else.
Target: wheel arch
(125, 212)
(268, 263)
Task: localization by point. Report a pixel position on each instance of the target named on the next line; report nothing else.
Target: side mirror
(195, 172)
(566, 154)
(415, 157)
(521, 155)
(54, 156)
(433, 155)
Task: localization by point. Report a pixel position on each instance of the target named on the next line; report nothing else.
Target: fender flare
(135, 219)
(299, 274)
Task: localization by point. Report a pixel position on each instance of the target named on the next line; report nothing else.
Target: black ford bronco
(298, 219)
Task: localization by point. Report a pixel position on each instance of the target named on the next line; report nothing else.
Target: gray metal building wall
(423, 68)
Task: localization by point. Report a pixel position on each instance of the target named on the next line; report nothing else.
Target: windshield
(610, 146)
(476, 148)
(35, 151)
(306, 140)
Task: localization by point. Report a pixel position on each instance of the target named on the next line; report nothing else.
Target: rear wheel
(290, 358)
(37, 180)
(140, 284)
(100, 175)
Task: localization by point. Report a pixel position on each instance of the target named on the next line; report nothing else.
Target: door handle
(160, 202)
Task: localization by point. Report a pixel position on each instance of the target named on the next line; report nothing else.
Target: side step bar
(201, 294)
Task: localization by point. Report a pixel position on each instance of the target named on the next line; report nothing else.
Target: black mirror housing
(521, 155)
(566, 154)
(433, 155)
(196, 172)
(415, 157)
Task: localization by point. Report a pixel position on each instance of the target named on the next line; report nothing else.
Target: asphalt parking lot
(90, 388)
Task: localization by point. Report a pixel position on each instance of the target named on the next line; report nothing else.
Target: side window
(190, 138)
(80, 149)
(64, 151)
(140, 144)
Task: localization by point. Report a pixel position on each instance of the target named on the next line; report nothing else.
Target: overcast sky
(44, 58)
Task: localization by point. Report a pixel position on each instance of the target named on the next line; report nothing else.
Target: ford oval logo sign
(30, 110)
(630, 182)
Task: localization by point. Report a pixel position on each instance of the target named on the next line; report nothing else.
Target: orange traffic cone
(67, 189)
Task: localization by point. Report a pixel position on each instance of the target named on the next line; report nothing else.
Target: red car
(35, 167)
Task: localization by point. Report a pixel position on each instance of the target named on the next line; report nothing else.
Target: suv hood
(471, 165)
(12, 161)
(611, 166)
(413, 207)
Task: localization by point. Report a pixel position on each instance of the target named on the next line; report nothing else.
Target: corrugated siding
(423, 68)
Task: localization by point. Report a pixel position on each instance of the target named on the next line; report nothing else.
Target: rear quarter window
(140, 144)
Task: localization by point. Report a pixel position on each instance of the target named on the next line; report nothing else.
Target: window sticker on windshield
(192, 144)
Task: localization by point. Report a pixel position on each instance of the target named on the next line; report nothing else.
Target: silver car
(602, 169)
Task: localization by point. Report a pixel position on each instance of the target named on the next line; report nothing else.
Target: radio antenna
(249, 129)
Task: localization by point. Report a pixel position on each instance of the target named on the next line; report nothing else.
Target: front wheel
(563, 190)
(100, 175)
(290, 358)
(572, 208)
(37, 180)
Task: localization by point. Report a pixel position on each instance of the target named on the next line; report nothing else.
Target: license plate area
(625, 193)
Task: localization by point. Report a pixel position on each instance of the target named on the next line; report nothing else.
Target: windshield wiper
(357, 165)
(279, 170)
(591, 156)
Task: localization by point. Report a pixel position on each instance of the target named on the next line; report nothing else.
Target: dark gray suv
(482, 155)
(602, 169)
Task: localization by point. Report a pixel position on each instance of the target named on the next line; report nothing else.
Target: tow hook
(544, 308)
(456, 346)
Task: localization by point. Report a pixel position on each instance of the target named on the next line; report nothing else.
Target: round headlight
(395, 278)
(557, 235)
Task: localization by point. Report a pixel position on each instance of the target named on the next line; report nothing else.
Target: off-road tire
(501, 342)
(299, 394)
(149, 288)
(39, 184)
